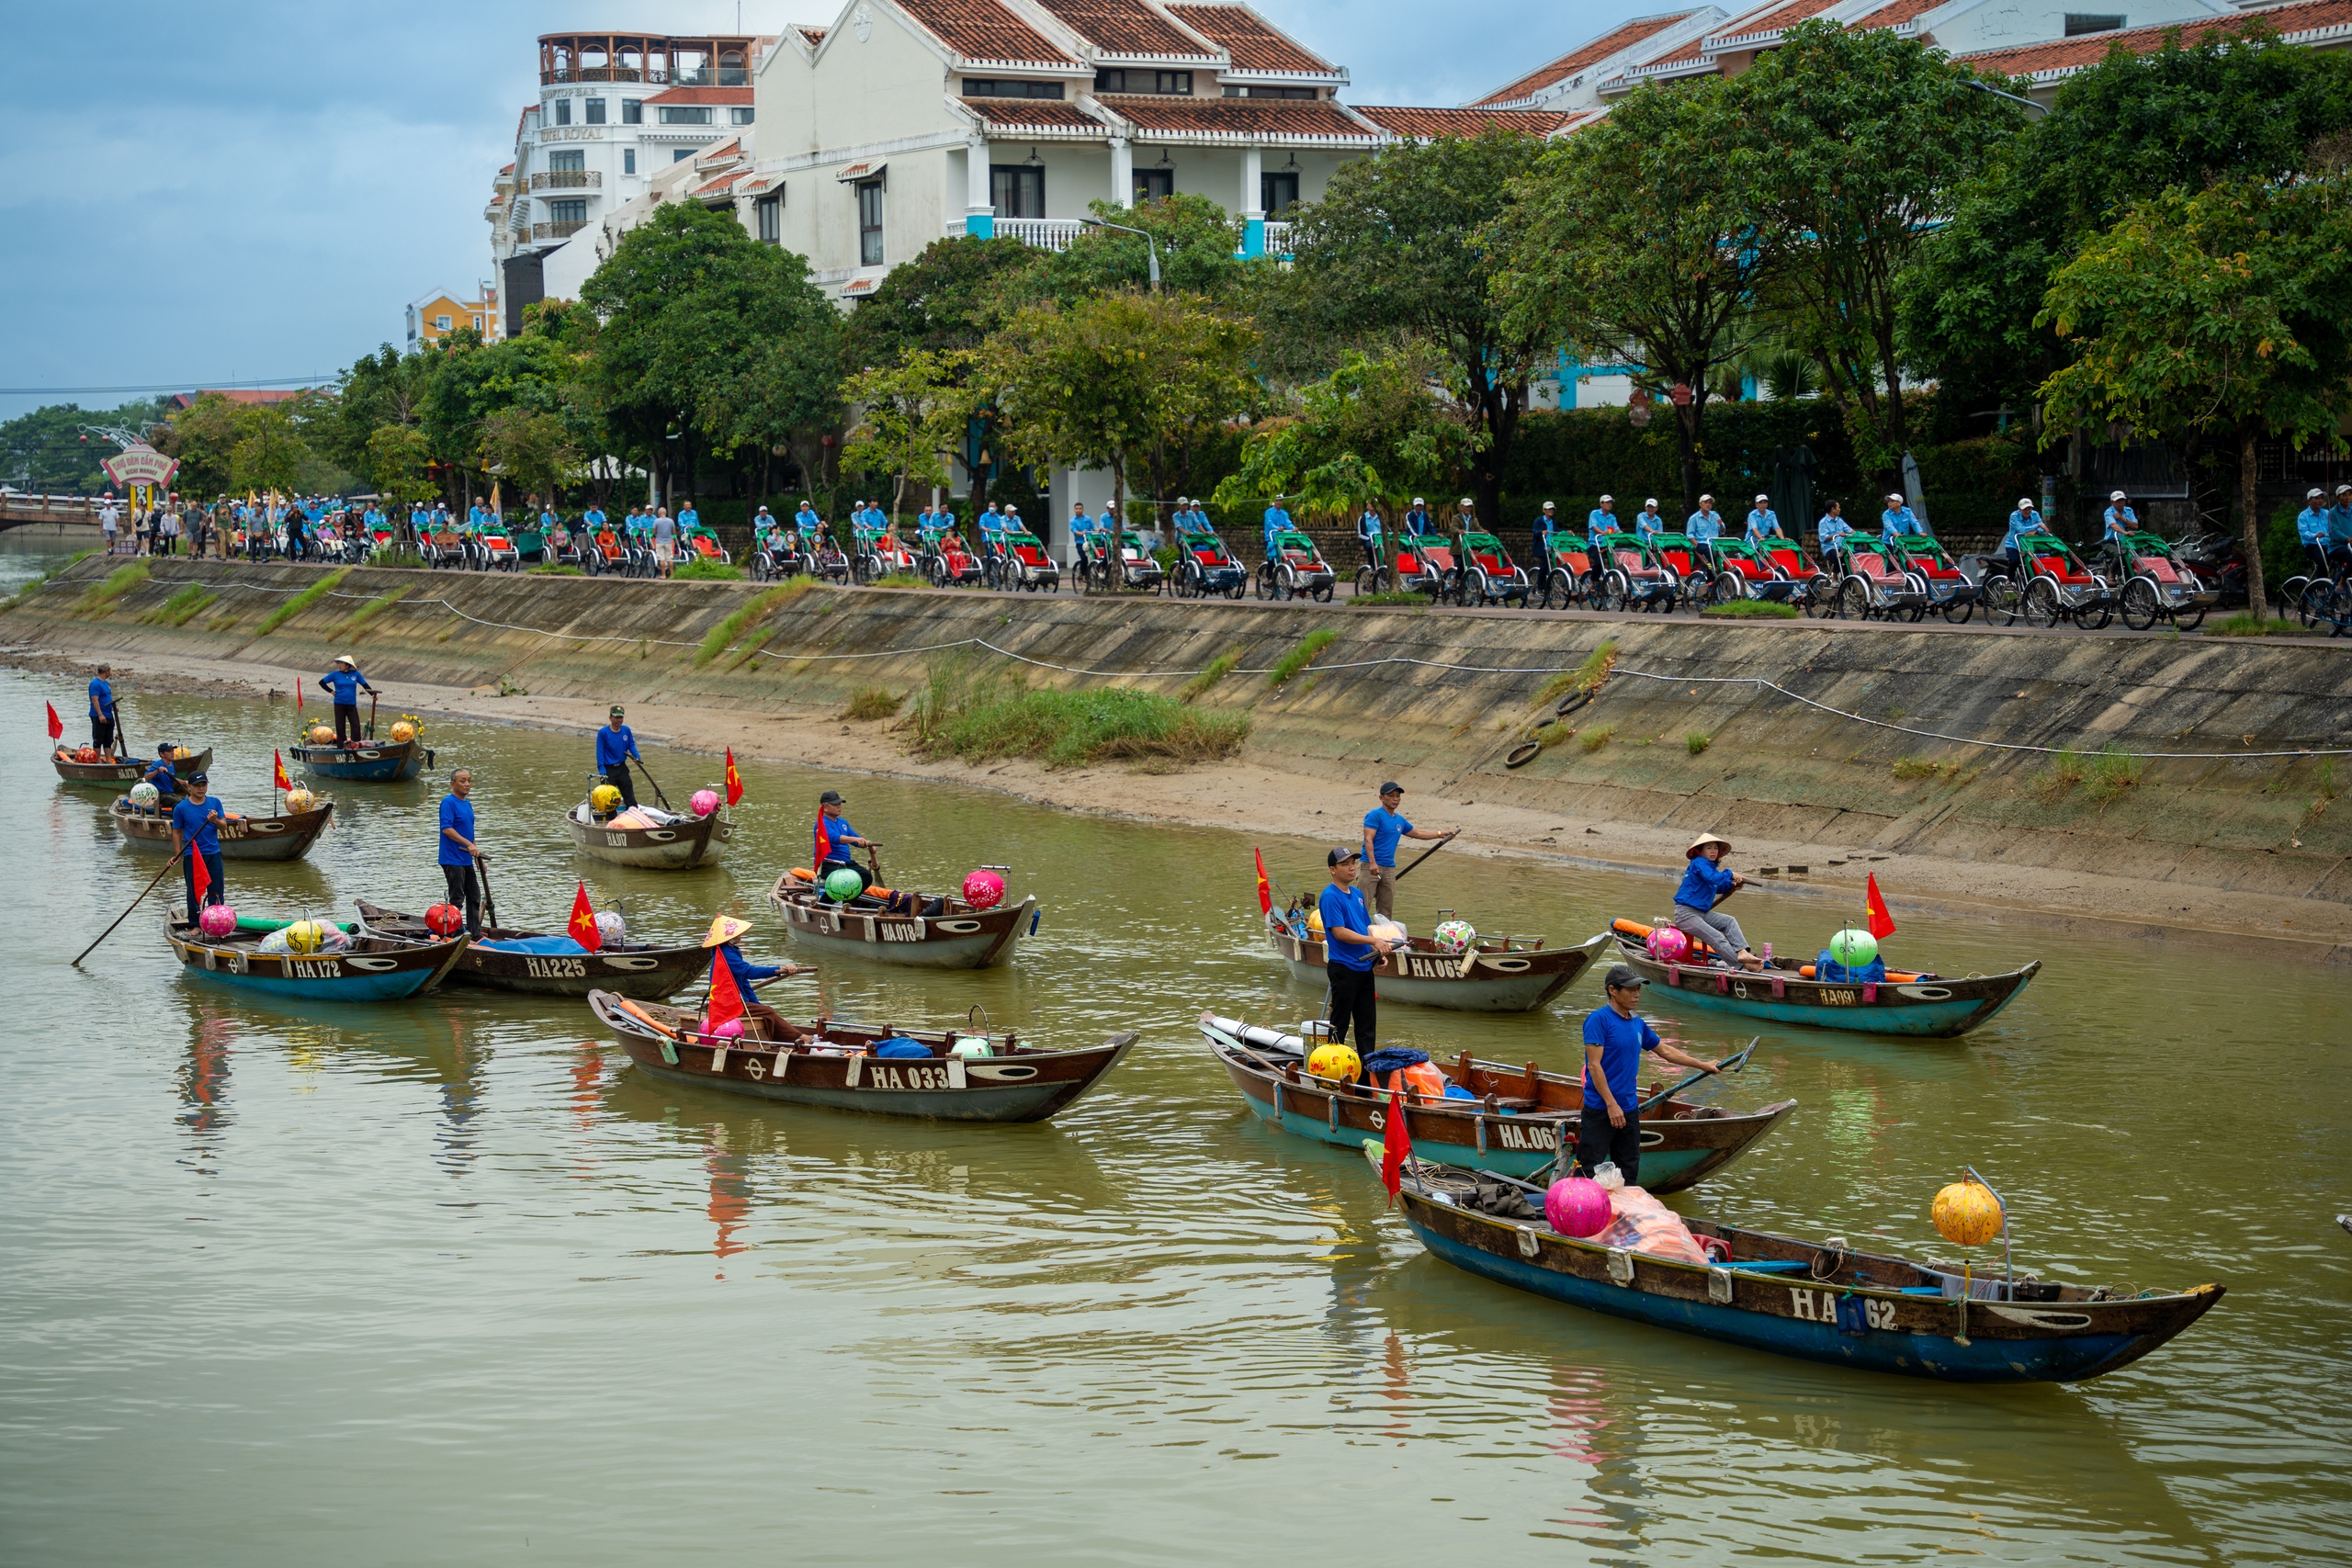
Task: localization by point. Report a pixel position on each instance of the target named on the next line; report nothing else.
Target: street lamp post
(1147, 239)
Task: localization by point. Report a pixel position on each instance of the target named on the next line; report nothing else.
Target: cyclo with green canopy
(1204, 566)
(2158, 585)
(1486, 574)
(2056, 586)
(1936, 580)
(1633, 576)
(1297, 570)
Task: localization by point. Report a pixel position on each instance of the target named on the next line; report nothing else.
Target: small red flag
(297, 699)
(278, 779)
(56, 725)
(734, 780)
(1395, 1148)
(200, 876)
(726, 1000)
(583, 924)
(1265, 890)
(1881, 923)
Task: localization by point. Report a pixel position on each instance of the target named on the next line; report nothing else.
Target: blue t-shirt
(2118, 520)
(825, 842)
(1386, 828)
(1622, 1042)
(743, 969)
(1763, 523)
(2020, 524)
(1703, 882)
(1899, 520)
(343, 684)
(194, 821)
(160, 775)
(1599, 521)
(101, 700)
(458, 814)
(2339, 524)
(614, 746)
(1648, 522)
(1832, 528)
(1343, 907)
(1703, 526)
(2310, 526)
(689, 518)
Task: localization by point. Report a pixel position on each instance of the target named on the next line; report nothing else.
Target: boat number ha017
(1821, 1307)
(556, 968)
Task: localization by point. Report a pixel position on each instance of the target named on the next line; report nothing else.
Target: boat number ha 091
(1821, 1307)
(557, 968)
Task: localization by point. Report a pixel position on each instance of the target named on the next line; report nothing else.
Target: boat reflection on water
(729, 1180)
(204, 1072)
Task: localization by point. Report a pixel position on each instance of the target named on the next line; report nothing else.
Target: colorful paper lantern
(1335, 1062)
(704, 801)
(445, 920)
(1454, 936)
(1967, 1215)
(983, 889)
(1667, 944)
(218, 920)
(1578, 1206)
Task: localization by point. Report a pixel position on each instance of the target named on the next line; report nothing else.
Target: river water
(446, 1280)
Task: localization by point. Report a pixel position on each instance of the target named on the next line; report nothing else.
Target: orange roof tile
(720, 183)
(2061, 56)
(982, 29)
(1126, 26)
(1894, 14)
(1429, 123)
(814, 35)
(1035, 114)
(1317, 117)
(1592, 53)
(1774, 17)
(1253, 45)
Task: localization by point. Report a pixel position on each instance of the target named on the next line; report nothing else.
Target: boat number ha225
(557, 968)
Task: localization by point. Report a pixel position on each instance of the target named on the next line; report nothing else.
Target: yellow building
(436, 315)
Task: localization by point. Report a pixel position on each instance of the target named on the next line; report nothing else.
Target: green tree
(1197, 243)
(385, 387)
(47, 449)
(1862, 140)
(2219, 311)
(530, 448)
(1402, 246)
(911, 416)
(269, 453)
(1636, 239)
(399, 463)
(1373, 431)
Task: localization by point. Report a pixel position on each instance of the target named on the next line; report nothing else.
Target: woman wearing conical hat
(1705, 884)
(772, 1024)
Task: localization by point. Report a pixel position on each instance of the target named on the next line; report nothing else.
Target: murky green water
(447, 1281)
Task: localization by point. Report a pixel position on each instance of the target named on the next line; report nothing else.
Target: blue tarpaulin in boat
(539, 944)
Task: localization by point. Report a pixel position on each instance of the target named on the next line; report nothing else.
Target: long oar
(1431, 851)
(1734, 1064)
(488, 899)
(655, 783)
(135, 902)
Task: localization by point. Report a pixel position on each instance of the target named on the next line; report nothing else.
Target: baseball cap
(2115, 495)
(832, 797)
(1343, 853)
(1391, 787)
(1608, 499)
(1624, 979)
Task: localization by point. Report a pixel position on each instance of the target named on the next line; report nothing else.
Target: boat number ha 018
(1821, 1307)
(893, 931)
(556, 968)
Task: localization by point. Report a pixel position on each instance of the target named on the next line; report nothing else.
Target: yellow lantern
(322, 735)
(1332, 1060)
(1967, 1215)
(404, 732)
(299, 800)
(1314, 924)
(603, 799)
(304, 936)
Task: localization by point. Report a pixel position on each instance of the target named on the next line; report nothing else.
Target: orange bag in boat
(1422, 1078)
(1647, 1225)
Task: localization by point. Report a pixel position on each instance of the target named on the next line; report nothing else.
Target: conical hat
(1702, 840)
(725, 927)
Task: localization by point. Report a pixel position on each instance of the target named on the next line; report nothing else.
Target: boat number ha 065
(557, 968)
(1821, 1307)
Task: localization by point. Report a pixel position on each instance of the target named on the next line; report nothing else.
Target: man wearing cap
(345, 683)
(196, 829)
(1705, 525)
(1601, 519)
(1705, 884)
(1614, 1038)
(159, 774)
(1763, 523)
(2118, 518)
(1899, 519)
(1650, 520)
(834, 838)
(1381, 827)
(1548, 522)
(2026, 519)
(1350, 951)
(459, 852)
(102, 710)
(616, 744)
(1417, 518)
(2312, 527)
(772, 1026)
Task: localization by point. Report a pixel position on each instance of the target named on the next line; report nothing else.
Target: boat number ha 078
(1821, 1307)
(557, 968)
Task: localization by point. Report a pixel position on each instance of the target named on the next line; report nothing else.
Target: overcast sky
(195, 195)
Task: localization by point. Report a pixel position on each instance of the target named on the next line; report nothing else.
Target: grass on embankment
(1196, 688)
(1750, 609)
(100, 597)
(1586, 677)
(1299, 657)
(370, 610)
(189, 601)
(301, 602)
(1392, 597)
(964, 711)
(706, 572)
(30, 588)
(714, 641)
(2243, 624)
(870, 702)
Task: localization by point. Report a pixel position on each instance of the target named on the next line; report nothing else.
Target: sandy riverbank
(1252, 796)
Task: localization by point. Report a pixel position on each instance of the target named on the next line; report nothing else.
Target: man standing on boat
(102, 710)
(834, 838)
(345, 683)
(616, 744)
(459, 852)
(1350, 951)
(1614, 1038)
(196, 829)
(1381, 827)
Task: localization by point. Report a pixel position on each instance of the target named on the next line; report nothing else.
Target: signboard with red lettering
(140, 465)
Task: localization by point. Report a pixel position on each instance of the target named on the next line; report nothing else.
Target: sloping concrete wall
(1771, 767)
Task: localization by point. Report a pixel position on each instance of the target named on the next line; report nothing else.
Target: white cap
(2025, 504)
(1548, 506)
(1418, 501)
(1762, 499)
(2314, 494)
(1895, 496)
(1465, 501)
(1651, 502)
(1607, 501)
(2117, 495)
(2341, 489)
(1704, 499)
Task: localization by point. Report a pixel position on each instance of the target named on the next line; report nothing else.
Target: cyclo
(1296, 570)
(2158, 585)
(1132, 564)
(1632, 576)
(877, 551)
(827, 561)
(777, 553)
(1875, 583)
(1487, 574)
(700, 542)
(1018, 558)
(1424, 561)
(604, 552)
(944, 560)
(1204, 566)
(1939, 578)
(1566, 568)
(2057, 587)
(1743, 570)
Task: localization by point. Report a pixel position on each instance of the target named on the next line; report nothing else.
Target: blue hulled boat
(390, 762)
(368, 969)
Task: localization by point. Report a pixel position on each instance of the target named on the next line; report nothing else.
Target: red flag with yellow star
(726, 996)
(1265, 889)
(278, 779)
(734, 780)
(581, 927)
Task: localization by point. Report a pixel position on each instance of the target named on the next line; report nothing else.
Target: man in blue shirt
(196, 829)
(689, 518)
(1276, 521)
(345, 683)
(1649, 522)
(1381, 827)
(1898, 518)
(1350, 953)
(1417, 518)
(1833, 530)
(1763, 523)
(1706, 524)
(2026, 519)
(832, 839)
(160, 774)
(2339, 522)
(1601, 520)
(2118, 518)
(102, 710)
(1547, 522)
(460, 852)
(1614, 1038)
(615, 746)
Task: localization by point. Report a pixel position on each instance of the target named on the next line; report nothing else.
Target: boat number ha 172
(557, 968)
(315, 968)
(1821, 1307)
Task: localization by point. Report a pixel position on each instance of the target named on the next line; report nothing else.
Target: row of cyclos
(1903, 577)
(1007, 557)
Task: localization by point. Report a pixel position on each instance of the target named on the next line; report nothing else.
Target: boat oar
(135, 902)
(1431, 851)
(488, 899)
(1734, 1064)
(371, 735)
(655, 783)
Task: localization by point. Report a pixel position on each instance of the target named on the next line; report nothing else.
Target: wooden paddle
(1734, 1064)
(656, 783)
(135, 902)
(1431, 851)
(488, 899)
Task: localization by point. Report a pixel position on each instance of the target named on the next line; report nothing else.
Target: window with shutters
(869, 222)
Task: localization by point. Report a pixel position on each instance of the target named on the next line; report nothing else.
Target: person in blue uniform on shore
(1763, 523)
(1601, 519)
(616, 744)
(1276, 521)
(102, 710)
(2026, 519)
(460, 852)
(1350, 952)
(1614, 1038)
(345, 683)
(196, 828)
(832, 839)
(1899, 519)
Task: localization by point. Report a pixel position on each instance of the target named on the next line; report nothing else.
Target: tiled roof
(1894, 14)
(2061, 56)
(1126, 26)
(1688, 54)
(1772, 18)
(724, 150)
(702, 96)
(715, 186)
(1428, 123)
(814, 35)
(1594, 53)
(1253, 45)
(982, 29)
(1317, 117)
(1037, 114)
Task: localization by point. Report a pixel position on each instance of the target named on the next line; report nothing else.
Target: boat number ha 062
(557, 968)
(1821, 1307)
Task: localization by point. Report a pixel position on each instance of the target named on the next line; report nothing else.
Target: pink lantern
(705, 802)
(218, 920)
(730, 1030)
(983, 889)
(1576, 1207)
(1668, 945)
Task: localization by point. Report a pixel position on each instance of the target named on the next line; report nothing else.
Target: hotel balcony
(1058, 233)
(551, 231)
(655, 59)
(569, 180)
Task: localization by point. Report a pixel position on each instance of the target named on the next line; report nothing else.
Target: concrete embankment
(2222, 840)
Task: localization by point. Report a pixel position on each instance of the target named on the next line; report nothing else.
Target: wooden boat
(117, 772)
(1510, 974)
(676, 843)
(286, 837)
(369, 761)
(628, 969)
(960, 937)
(1515, 1127)
(373, 969)
(1929, 1007)
(1817, 1301)
(1013, 1083)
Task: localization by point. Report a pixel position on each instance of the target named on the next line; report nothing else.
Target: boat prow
(670, 843)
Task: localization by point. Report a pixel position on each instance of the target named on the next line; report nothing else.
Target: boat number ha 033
(1821, 1307)
(556, 968)
(891, 1074)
